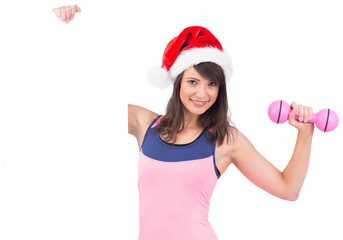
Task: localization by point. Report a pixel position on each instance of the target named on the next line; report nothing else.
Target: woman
(184, 152)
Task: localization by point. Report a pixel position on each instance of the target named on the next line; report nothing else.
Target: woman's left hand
(304, 115)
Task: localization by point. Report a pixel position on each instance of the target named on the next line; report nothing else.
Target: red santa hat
(193, 46)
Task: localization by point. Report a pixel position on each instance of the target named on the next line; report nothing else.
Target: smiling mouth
(199, 103)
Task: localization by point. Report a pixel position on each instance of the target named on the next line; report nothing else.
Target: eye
(192, 82)
(213, 84)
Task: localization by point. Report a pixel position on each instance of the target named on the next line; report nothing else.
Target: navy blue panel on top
(154, 147)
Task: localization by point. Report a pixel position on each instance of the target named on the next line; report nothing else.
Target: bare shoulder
(240, 147)
(235, 147)
(139, 119)
(237, 140)
(232, 143)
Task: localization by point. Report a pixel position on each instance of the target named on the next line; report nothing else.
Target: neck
(191, 120)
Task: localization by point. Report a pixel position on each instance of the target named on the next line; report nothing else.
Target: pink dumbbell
(326, 120)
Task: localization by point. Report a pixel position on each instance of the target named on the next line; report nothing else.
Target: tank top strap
(156, 121)
(153, 124)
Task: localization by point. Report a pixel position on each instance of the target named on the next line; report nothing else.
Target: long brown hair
(217, 118)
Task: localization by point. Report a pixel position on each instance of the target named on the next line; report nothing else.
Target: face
(197, 93)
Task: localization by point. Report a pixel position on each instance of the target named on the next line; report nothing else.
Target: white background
(68, 168)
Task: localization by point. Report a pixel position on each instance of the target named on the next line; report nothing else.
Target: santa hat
(193, 46)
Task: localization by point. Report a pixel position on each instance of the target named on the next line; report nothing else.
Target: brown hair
(217, 117)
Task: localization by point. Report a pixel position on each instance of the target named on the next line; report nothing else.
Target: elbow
(290, 191)
(289, 194)
(292, 197)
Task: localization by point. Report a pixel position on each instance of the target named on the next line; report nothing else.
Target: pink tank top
(175, 184)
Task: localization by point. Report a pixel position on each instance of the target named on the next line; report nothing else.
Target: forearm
(295, 172)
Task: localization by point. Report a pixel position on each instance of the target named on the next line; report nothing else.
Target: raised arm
(287, 184)
(139, 119)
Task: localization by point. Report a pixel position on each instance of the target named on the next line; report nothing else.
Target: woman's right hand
(66, 13)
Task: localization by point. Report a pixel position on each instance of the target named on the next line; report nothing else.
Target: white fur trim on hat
(195, 56)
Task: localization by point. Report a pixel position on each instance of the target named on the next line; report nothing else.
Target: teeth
(199, 102)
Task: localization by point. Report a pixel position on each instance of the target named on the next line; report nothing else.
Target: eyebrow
(196, 79)
(193, 78)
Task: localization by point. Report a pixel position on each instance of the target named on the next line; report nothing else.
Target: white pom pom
(159, 77)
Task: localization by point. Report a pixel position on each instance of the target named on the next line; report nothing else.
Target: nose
(201, 93)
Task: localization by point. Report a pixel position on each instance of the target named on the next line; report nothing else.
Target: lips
(199, 103)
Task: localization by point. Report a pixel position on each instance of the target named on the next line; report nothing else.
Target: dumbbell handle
(312, 120)
(314, 115)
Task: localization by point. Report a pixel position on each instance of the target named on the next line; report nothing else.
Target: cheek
(182, 95)
(185, 93)
(214, 94)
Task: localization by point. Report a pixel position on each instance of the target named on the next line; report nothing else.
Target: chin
(198, 113)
